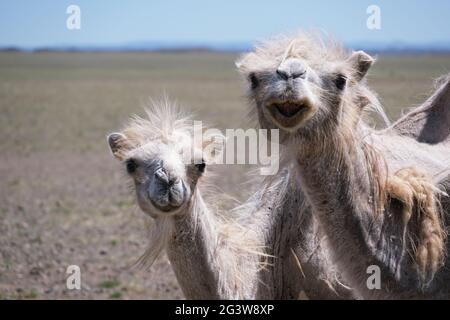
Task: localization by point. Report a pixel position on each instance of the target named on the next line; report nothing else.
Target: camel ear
(213, 146)
(361, 63)
(246, 63)
(118, 143)
(244, 66)
(240, 64)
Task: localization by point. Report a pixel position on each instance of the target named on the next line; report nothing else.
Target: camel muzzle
(166, 194)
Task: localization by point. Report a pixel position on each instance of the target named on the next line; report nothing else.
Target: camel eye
(131, 166)
(253, 80)
(201, 166)
(340, 81)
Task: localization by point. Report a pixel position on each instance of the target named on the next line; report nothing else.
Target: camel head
(156, 154)
(298, 84)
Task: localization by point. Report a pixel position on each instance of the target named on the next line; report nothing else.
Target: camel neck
(190, 252)
(205, 258)
(337, 183)
(335, 179)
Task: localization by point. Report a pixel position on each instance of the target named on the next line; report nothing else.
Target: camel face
(295, 96)
(160, 177)
(163, 182)
(160, 164)
(297, 85)
(288, 96)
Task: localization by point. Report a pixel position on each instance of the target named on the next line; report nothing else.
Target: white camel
(380, 196)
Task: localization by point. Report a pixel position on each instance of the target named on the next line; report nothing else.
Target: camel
(379, 196)
(295, 252)
(252, 252)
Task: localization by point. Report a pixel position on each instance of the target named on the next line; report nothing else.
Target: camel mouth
(169, 200)
(290, 109)
(290, 114)
(166, 209)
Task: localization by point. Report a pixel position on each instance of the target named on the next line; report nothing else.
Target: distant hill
(182, 47)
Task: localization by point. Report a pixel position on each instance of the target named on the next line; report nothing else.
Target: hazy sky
(39, 23)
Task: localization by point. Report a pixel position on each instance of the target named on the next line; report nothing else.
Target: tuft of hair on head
(163, 119)
(312, 46)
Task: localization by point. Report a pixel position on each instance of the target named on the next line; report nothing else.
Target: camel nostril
(292, 68)
(283, 74)
(177, 194)
(162, 175)
(174, 181)
(167, 197)
(287, 75)
(299, 75)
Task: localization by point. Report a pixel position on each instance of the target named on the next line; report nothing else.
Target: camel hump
(430, 122)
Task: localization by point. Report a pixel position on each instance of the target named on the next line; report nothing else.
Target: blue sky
(108, 22)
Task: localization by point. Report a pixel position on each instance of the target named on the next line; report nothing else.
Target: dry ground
(63, 199)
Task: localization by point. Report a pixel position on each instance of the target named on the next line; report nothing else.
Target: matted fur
(420, 200)
(412, 187)
(417, 192)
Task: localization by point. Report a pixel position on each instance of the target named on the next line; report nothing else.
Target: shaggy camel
(379, 196)
(216, 255)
